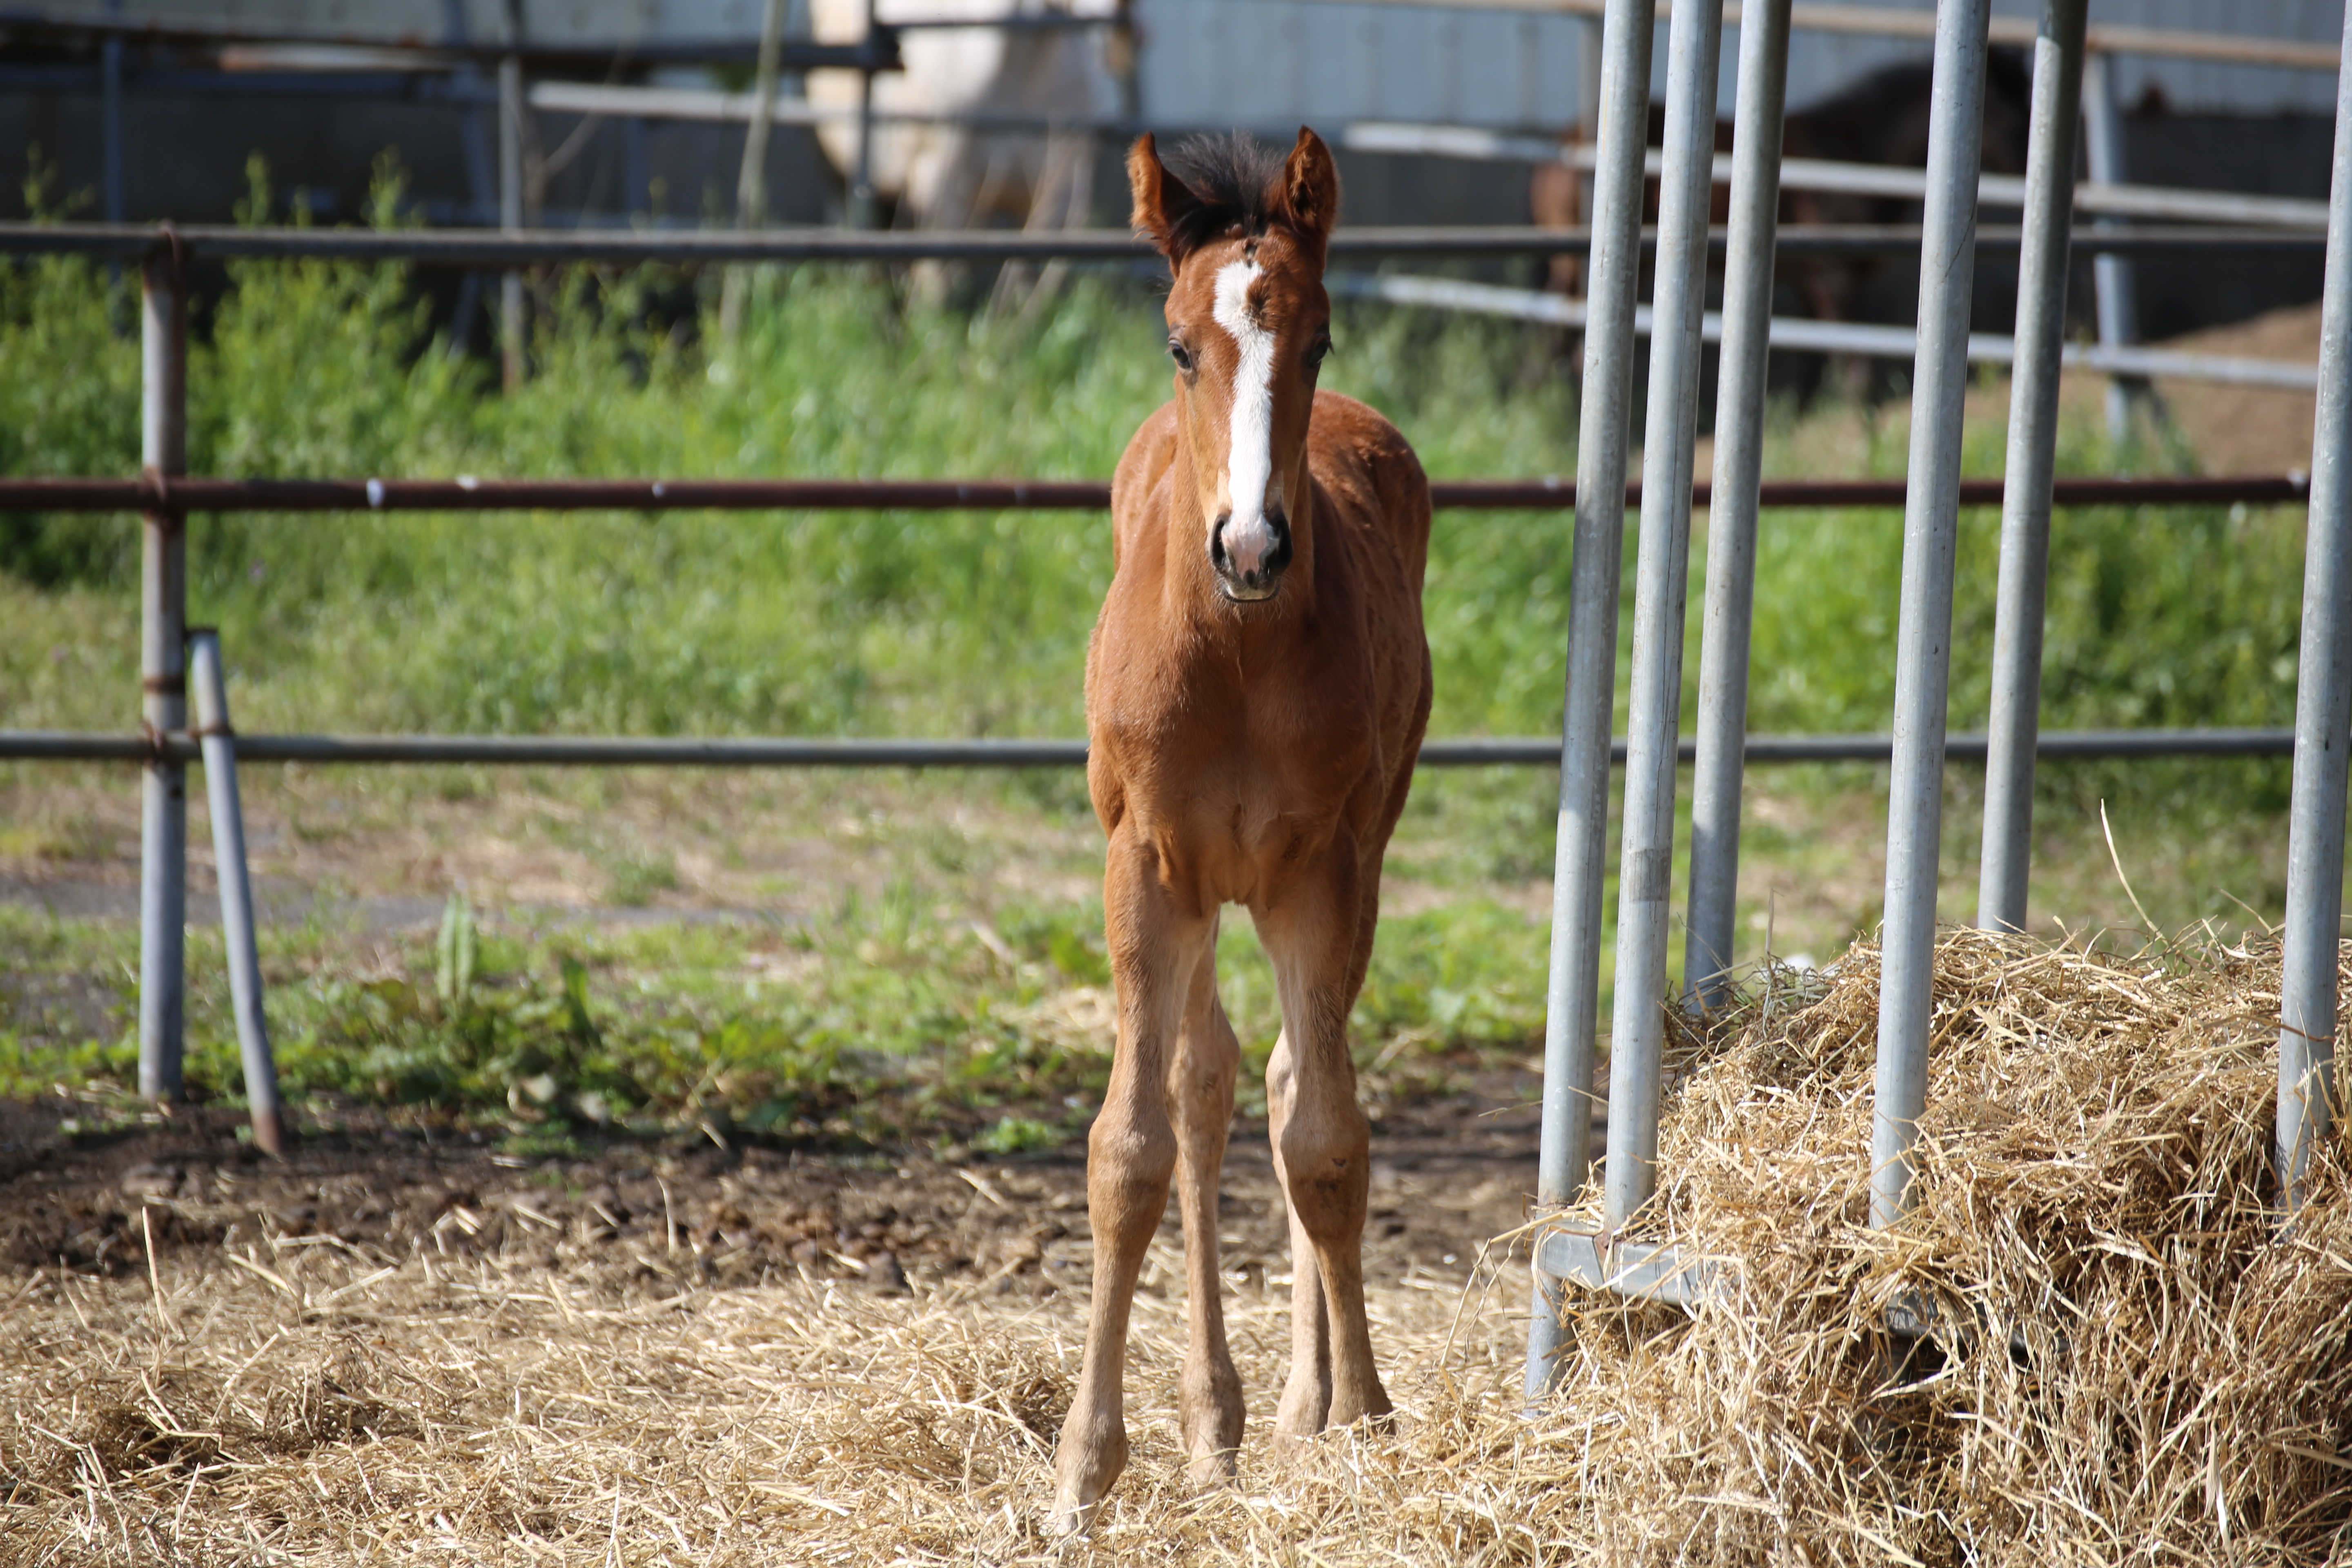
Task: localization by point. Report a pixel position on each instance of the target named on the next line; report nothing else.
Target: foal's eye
(1315, 352)
(1182, 356)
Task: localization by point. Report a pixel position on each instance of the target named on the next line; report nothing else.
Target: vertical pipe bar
(163, 632)
(111, 153)
(635, 185)
(219, 744)
(481, 176)
(861, 174)
(1923, 661)
(2323, 715)
(751, 180)
(1590, 53)
(1571, 1004)
(510, 317)
(2031, 468)
(1653, 716)
(110, 199)
(1727, 618)
(2115, 278)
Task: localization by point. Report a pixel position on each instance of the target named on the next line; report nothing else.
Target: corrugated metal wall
(1264, 62)
(1261, 62)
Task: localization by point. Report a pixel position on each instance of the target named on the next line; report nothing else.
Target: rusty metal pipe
(185, 495)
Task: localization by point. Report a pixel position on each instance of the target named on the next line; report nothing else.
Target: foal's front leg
(1155, 948)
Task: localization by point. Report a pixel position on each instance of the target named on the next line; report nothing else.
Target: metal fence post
(751, 181)
(1654, 715)
(510, 301)
(219, 742)
(1923, 663)
(2115, 278)
(163, 678)
(1571, 1006)
(861, 174)
(2032, 468)
(110, 131)
(1728, 618)
(2323, 715)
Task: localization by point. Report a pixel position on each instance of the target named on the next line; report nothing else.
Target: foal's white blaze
(1249, 465)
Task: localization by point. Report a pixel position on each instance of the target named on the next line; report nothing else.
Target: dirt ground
(2239, 429)
(1448, 1173)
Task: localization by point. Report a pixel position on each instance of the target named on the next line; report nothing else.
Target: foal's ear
(1162, 202)
(1307, 200)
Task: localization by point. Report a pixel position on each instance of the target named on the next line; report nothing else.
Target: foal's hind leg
(1322, 1143)
(1307, 1392)
(1201, 1101)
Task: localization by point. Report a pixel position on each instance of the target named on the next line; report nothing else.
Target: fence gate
(1606, 1258)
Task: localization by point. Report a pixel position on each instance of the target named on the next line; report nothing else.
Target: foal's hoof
(1091, 1457)
(1068, 1520)
(1212, 1469)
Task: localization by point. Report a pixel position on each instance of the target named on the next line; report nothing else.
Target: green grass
(887, 1018)
(887, 1012)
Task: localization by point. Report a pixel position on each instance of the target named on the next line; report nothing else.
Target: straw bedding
(2133, 1365)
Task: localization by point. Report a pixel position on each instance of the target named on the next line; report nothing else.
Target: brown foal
(1257, 692)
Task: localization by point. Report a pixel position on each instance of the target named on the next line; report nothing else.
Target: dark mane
(1233, 176)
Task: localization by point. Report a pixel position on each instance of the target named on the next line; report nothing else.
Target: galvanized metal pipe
(1824, 337)
(861, 174)
(510, 301)
(633, 750)
(472, 248)
(751, 180)
(1923, 642)
(2169, 202)
(1654, 713)
(2032, 468)
(1868, 21)
(2114, 277)
(162, 677)
(1572, 991)
(219, 742)
(1728, 618)
(2308, 1002)
(110, 131)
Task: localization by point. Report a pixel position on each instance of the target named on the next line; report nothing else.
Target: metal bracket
(1651, 1270)
(1660, 1272)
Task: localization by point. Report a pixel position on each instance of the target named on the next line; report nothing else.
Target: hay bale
(2132, 1363)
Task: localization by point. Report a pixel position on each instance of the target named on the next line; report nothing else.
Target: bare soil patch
(1448, 1173)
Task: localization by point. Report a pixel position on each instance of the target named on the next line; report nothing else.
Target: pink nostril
(1250, 547)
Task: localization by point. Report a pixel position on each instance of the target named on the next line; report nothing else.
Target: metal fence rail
(158, 492)
(468, 247)
(1804, 335)
(2175, 204)
(632, 751)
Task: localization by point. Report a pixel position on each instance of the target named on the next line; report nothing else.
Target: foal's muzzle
(1250, 557)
